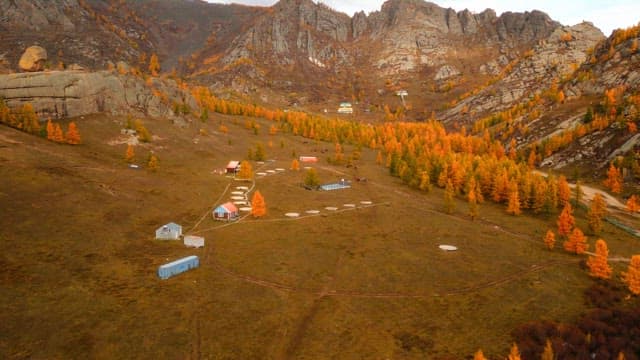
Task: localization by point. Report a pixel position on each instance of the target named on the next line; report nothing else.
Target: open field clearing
(366, 279)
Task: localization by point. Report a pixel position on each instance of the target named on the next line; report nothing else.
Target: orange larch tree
(512, 149)
(58, 136)
(547, 354)
(566, 221)
(577, 242)
(614, 179)
(479, 355)
(258, 206)
(73, 135)
(513, 207)
(152, 164)
(443, 176)
(599, 264)
(551, 197)
(472, 197)
(246, 172)
(550, 239)
(564, 192)
(449, 200)
(425, 182)
(632, 276)
(539, 194)
(129, 155)
(514, 353)
(633, 204)
(295, 165)
(531, 161)
(597, 212)
(154, 65)
(500, 191)
(50, 130)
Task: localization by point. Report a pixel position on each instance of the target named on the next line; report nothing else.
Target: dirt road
(590, 192)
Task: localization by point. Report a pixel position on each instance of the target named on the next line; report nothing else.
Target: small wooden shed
(193, 241)
(226, 212)
(233, 167)
(170, 231)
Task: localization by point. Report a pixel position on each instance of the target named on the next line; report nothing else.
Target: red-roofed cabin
(226, 212)
(233, 167)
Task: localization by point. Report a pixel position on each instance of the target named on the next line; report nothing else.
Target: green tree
(204, 115)
(578, 193)
(152, 164)
(143, 134)
(597, 211)
(312, 179)
(259, 154)
(28, 119)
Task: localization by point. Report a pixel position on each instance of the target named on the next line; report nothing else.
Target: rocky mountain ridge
(477, 70)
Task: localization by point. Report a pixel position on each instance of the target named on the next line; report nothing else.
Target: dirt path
(590, 192)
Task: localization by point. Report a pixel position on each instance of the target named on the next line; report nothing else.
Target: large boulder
(33, 59)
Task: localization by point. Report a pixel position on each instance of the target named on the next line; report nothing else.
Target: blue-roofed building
(170, 231)
(179, 266)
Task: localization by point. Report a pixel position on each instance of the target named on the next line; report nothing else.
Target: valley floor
(366, 280)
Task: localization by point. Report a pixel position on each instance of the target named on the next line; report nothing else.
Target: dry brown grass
(79, 261)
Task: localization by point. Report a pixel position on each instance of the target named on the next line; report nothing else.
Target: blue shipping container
(179, 266)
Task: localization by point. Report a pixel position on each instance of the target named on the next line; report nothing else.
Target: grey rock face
(551, 58)
(37, 15)
(60, 94)
(446, 72)
(416, 33)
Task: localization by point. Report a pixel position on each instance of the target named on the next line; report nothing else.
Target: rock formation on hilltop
(62, 94)
(509, 74)
(551, 59)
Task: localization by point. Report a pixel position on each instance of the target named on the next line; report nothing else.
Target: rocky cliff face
(403, 36)
(294, 31)
(72, 31)
(94, 33)
(417, 33)
(292, 36)
(550, 60)
(298, 46)
(61, 94)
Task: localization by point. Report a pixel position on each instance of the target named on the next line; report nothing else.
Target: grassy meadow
(78, 258)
